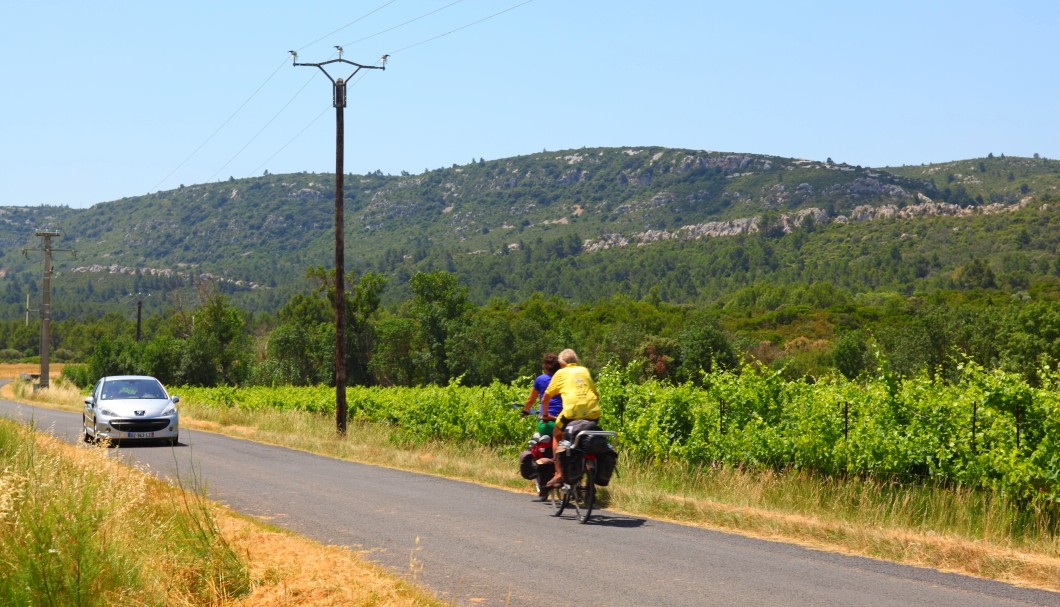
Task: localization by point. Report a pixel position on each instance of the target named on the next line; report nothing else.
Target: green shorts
(546, 428)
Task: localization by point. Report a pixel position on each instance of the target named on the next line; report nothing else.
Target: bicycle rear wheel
(559, 498)
(585, 492)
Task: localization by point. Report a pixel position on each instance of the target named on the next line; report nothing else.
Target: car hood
(130, 407)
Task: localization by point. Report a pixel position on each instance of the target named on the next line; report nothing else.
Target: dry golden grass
(59, 394)
(290, 570)
(286, 570)
(14, 370)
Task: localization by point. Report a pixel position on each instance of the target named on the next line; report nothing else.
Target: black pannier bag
(588, 444)
(605, 466)
(527, 467)
(570, 463)
(594, 444)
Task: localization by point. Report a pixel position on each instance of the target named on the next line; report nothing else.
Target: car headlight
(107, 412)
(170, 410)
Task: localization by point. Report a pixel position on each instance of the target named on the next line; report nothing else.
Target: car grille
(139, 425)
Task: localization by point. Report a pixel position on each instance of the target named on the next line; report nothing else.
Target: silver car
(130, 407)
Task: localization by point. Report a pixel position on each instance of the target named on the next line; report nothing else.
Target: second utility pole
(46, 234)
(339, 92)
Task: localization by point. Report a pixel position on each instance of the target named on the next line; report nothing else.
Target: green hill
(686, 226)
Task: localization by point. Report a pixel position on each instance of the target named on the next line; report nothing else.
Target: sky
(116, 98)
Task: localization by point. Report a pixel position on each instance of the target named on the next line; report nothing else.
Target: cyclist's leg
(557, 436)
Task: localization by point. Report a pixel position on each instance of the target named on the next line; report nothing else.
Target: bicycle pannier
(570, 463)
(605, 466)
(594, 444)
(527, 467)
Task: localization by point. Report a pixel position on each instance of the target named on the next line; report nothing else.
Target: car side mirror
(175, 398)
(90, 401)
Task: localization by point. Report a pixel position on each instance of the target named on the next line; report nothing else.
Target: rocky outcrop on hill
(164, 273)
(789, 222)
(927, 208)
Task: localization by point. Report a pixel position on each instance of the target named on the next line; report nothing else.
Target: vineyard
(987, 429)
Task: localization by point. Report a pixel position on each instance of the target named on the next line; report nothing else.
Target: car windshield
(133, 388)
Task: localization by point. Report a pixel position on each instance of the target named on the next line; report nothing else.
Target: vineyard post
(1017, 425)
(846, 419)
(975, 411)
(721, 416)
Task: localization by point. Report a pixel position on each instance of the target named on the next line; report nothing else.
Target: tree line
(438, 335)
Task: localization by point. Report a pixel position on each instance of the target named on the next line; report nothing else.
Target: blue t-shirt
(555, 405)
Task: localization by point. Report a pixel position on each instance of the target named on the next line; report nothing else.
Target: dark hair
(550, 363)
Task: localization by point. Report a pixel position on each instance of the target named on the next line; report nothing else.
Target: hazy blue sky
(113, 98)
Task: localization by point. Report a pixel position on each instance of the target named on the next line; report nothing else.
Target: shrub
(79, 375)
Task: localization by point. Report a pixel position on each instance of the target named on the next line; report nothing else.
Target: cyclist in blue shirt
(549, 365)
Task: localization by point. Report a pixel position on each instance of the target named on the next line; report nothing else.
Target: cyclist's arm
(530, 400)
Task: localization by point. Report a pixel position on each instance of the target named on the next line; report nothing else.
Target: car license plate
(141, 435)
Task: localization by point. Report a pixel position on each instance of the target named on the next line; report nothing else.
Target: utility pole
(339, 101)
(139, 313)
(46, 235)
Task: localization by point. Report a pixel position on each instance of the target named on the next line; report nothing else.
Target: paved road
(481, 546)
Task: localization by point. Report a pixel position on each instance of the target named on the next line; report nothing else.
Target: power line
(390, 29)
(399, 50)
(461, 27)
(262, 129)
(292, 140)
(350, 23)
(223, 125)
(254, 94)
(404, 24)
(304, 129)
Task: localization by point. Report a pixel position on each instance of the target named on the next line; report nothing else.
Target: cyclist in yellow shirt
(580, 400)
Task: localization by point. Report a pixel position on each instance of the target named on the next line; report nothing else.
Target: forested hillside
(683, 226)
(676, 261)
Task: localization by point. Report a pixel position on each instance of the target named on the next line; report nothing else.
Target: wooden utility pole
(139, 314)
(46, 235)
(339, 101)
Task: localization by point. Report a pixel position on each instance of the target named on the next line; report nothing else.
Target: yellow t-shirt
(575, 385)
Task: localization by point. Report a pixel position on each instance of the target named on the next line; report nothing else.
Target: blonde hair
(568, 356)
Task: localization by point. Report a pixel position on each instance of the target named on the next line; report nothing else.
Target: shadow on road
(608, 520)
(129, 443)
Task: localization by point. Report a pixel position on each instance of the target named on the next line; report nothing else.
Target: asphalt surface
(474, 545)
